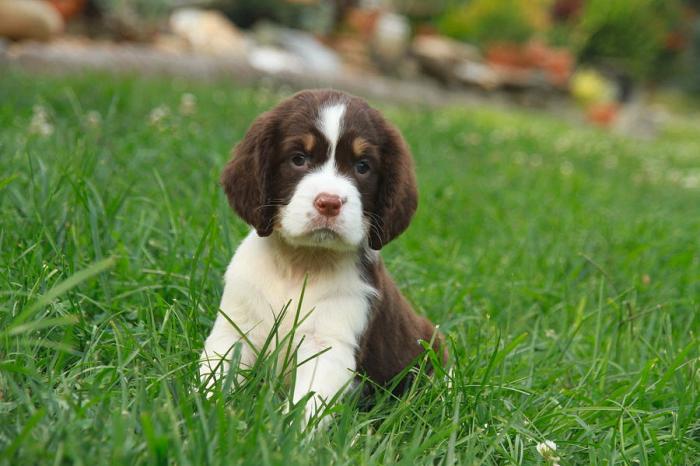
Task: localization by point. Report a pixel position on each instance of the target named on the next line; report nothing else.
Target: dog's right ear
(398, 192)
(245, 178)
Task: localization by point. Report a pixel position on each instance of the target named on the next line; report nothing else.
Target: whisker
(376, 226)
(272, 204)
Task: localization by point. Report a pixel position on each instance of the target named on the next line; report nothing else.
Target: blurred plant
(420, 9)
(311, 15)
(489, 21)
(135, 19)
(692, 59)
(590, 87)
(626, 35)
(145, 8)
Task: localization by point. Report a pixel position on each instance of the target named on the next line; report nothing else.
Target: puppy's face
(323, 169)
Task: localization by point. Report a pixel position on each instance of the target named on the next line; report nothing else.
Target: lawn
(562, 262)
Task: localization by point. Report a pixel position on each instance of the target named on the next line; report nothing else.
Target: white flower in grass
(188, 104)
(40, 123)
(449, 377)
(566, 168)
(93, 119)
(158, 115)
(548, 450)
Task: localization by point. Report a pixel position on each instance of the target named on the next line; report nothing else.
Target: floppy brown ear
(245, 178)
(397, 198)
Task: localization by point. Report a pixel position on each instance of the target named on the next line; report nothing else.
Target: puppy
(325, 182)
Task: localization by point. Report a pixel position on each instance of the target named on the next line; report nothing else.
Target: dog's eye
(299, 159)
(362, 167)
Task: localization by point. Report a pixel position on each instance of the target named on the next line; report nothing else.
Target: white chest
(259, 292)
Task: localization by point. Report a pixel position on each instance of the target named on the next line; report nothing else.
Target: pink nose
(328, 205)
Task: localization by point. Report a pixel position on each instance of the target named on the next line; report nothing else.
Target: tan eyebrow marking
(360, 145)
(309, 141)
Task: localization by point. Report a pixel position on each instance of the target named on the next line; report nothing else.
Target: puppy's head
(323, 169)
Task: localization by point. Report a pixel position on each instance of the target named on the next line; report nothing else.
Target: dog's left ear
(397, 197)
(245, 178)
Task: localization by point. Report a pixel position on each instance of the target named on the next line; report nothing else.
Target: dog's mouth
(318, 231)
(323, 234)
(324, 226)
(320, 237)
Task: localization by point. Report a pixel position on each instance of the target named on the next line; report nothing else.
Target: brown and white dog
(325, 181)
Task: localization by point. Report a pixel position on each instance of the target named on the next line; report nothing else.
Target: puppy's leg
(218, 350)
(324, 375)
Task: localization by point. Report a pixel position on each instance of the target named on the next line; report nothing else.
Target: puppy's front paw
(210, 372)
(206, 385)
(315, 415)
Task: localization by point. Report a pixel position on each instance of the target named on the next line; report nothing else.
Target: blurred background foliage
(487, 21)
(645, 39)
(638, 37)
(631, 35)
(630, 42)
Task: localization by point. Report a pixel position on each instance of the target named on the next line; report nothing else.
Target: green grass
(563, 264)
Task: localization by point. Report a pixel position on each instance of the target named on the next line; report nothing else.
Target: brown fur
(391, 341)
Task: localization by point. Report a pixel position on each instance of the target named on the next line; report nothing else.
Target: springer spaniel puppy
(325, 181)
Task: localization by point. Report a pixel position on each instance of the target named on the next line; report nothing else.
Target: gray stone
(315, 56)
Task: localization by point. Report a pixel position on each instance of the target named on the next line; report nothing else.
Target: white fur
(302, 225)
(330, 123)
(259, 282)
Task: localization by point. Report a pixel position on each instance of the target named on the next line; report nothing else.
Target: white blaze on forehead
(330, 123)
